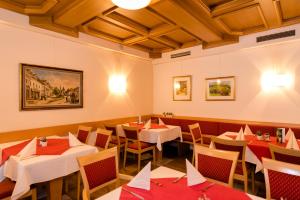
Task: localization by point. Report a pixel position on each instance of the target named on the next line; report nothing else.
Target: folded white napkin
(148, 124)
(29, 149)
(247, 130)
(142, 179)
(292, 144)
(288, 134)
(73, 141)
(240, 135)
(193, 175)
(160, 122)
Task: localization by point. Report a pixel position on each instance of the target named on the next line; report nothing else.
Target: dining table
(47, 164)
(163, 187)
(256, 149)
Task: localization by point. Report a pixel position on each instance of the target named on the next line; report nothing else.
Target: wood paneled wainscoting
(61, 129)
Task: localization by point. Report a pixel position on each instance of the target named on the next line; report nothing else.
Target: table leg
(55, 189)
(159, 155)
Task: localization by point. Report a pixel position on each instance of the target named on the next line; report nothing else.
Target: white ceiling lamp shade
(131, 4)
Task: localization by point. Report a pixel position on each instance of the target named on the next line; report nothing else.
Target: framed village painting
(220, 89)
(182, 88)
(50, 88)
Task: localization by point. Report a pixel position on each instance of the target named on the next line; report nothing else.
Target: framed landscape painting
(220, 89)
(50, 88)
(182, 88)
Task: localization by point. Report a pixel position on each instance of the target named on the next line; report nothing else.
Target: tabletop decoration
(280, 133)
(267, 136)
(193, 175)
(142, 179)
(259, 135)
(43, 141)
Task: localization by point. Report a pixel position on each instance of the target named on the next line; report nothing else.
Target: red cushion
(284, 185)
(296, 132)
(134, 145)
(187, 137)
(6, 188)
(101, 172)
(115, 141)
(224, 127)
(214, 168)
(206, 140)
(101, 140)
(231, 148)
(131, 134)
(239, 168)
(196, 133)
(209, 128)
(113, 129)
(287, 158)
(82, 136)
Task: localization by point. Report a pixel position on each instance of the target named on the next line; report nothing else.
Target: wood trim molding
(280, 17)
(61, 129)
(233, 121)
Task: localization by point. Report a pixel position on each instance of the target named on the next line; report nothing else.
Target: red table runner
(153, 126)
(54, 147)
(180, 190)
(12, 151)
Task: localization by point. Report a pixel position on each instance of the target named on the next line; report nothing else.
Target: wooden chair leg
(78, 185)
(34, 194)
(253, 180)
(139, 161)
(246, 184)
(66, 184)
(193, 159)
(125, 155)
(154, 157)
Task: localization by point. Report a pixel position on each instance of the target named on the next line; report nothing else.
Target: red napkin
(180, 190)
(157, 126)
(12, 151)
(54, 147)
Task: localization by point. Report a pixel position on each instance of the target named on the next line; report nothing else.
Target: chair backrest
(131, 133)
(195, 132)
(231, 145)
(83, 133)
(112, 128)
(216, 165)
(98, 170)
(103, 137)
(285, 155)
(282, 179)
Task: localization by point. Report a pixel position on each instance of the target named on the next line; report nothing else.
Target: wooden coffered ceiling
(165, 25)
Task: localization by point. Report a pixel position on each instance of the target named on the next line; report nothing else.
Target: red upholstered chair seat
(187, 137)
(239, 168)
(82, 135)
(214, 168)
(100, 172)
(287, 158)
(284, 185)
(101, 140)
(134, 145)
(115, 141)
(6, 188)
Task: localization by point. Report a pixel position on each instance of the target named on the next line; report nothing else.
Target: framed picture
(220, 89)
(50, 88)
(182, 88)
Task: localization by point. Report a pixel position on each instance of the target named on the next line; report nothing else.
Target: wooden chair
(135, 146)
(99, 170)
(6, 189)
(285, 155)
(282, 179)
(216, 165)
(241, 172)
(83, 133)
(102, 138)
(196, 136)
(116, 140)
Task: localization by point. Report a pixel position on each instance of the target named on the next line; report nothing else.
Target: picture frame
(182, 88)
(45, 88)
(220, 88)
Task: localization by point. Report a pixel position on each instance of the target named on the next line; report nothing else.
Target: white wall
(24, 44)
(247, 65)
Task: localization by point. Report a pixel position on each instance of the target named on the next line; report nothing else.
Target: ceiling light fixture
(131, 4)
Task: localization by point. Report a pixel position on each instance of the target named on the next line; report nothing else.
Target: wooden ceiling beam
(191, 44)
(268, 8)
(278, 11)
(46, 22)
(203, 6)
(100, 34)
(162, 30)
(25, 9)
(231, 6)
(159, 16)
(110, 10)
(167, 42)
(135, 39)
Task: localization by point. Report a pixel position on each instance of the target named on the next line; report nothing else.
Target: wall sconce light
(117, 84)
(272, 80)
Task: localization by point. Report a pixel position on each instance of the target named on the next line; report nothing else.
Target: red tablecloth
(12, 151)
(180, 190)
(260, 147)
(54, 147)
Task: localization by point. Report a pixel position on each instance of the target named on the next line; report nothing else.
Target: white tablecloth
(43, 168)
(249, 155)
(161, 172)
(157, 136)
